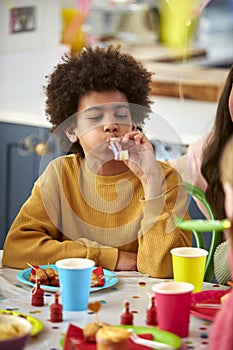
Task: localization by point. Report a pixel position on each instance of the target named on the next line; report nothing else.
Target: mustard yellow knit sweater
(73, 212)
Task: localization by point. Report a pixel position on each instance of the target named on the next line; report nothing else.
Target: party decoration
(94, 307)
(56, 310)
(119, 153)
(203, 225)
(126, 316)
(37, 295)
(151, 318)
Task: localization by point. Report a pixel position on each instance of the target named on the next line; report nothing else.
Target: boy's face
(102, 115)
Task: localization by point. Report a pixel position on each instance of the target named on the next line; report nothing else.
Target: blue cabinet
(21, 164)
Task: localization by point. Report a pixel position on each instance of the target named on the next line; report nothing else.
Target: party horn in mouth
(203, 225)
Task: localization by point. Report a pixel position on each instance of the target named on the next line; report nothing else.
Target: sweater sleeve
(34, 236)
(158, 234)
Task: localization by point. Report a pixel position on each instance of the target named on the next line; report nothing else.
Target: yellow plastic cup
(189, 265)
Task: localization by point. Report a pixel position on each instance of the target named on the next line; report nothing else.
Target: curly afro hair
(96, 69)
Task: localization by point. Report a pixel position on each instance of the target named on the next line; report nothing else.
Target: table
(133, 287)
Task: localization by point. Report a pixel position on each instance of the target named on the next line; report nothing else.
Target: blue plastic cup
(75, 282)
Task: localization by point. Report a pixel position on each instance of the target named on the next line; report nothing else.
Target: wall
(26, 57)
(46, 24)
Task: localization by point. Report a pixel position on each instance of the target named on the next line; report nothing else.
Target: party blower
(203, 225)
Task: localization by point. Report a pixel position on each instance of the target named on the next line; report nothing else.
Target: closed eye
(95, 118)
(121, 116)
(122, 112)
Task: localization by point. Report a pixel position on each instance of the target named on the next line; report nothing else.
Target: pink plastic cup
(173, 302)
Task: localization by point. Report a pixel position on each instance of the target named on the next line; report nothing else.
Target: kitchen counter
(187, 81)
(25, 111)
(176, 74)
(180, 121)
(197, 71)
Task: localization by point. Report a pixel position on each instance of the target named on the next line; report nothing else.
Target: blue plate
(24, 277)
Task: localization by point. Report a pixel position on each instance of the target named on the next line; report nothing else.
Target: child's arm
(127, 261)
(158, 234)
(34, 238)
(36, 235)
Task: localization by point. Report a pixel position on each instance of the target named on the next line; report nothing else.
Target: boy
(118, 212)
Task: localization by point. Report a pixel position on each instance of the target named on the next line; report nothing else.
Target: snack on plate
(95, 280)
(48, 276)
(90, 330)
(113, 338)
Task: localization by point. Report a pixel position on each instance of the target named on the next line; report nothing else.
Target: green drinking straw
(203, 225)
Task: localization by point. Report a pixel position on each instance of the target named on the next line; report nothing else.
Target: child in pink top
(200, 166)
(221, 336)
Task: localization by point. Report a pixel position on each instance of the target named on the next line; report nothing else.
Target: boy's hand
(142, 162)
(127, 261)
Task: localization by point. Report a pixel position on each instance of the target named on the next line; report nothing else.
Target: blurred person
(221, 336)
(200, 166)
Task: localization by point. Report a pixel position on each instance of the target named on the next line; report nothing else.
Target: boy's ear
(71, 134)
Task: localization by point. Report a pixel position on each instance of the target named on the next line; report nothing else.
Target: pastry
(8, 331)
(90, 330)
(112, 338)
(46, 276)
(95, 280)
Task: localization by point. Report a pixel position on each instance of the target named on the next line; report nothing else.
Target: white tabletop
(15, 296)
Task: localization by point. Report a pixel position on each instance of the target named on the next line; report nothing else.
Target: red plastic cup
(173, 302)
